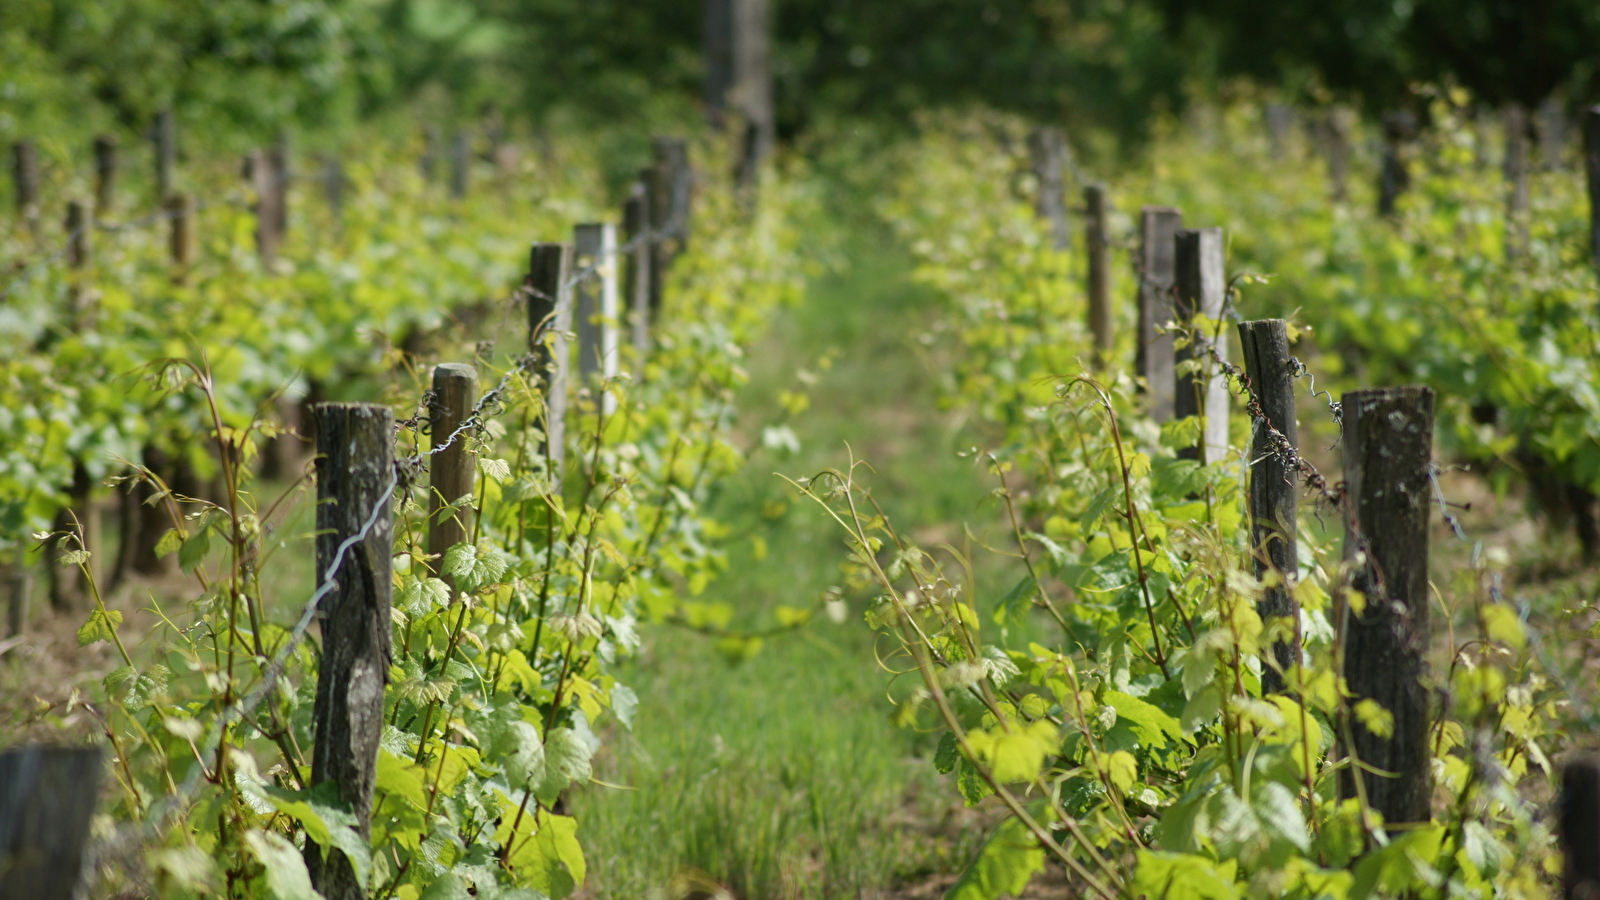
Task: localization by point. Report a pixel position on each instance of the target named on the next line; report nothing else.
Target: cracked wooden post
(1388, 449)
(105, 174)
(1097, 245)
(597, 309)
(636, 286)
(455, 391)
(1158, 231)
(1274, 486)
(47, 798)
(1591, 166)
(549, 320)
(1047, 150)
(355, 483)
(1578, 824)
(1197, 255)
(166, 148)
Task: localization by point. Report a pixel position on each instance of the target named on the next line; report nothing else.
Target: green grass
(782, 776)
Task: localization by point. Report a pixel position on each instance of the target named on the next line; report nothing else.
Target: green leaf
(1371, 714)
(101, 626)
(448, 886)
(327, 821)
(397, 777)
(169, 543)
(498, 469)
(566, 760)
(1151, 725)
(1183, 876)
(947, 755)
(193, 551)
(544, 853)
(522, 755)
(1279, 812)
(1004, 866)
(1122, 770)
(287, 878)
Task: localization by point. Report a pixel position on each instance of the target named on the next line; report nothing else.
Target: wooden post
(716, 37)
(1578, 823)
(1552, 120)
(17, 578)
(450, 471)
(1279, 120)
(47, 797)
(1047, 149)
(25, 177)
(259, 172)
(166, 147)
(1274, 486)
(79, 257)
(1515, 119)
(1591, 165)
(636, 286)
(281, 172)
(752, 86)
(333, 187)
(1197, 254)
(549, 321)
(355, 475)
(430, 153)
(1393, 178)
(68, 587)
(460, 157)
(672, 159)
(180, 235)
(105, 174)
(1158, 232)
(1388, 447)
(597, 308)
(1098, 250)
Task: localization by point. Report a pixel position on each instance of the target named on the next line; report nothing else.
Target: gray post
(180, 234)
(282, 173)
(597, 308)
(1197, 254)
(166, 147)
(80, 255)
(1578, 823)
(1047, 148)
(1158, 231)
(455, 391)
(1388, 447)
(47, 797)
(1098, 247)
(105, 174)
(355, 477)
(460, 158)
(1274, 487)
(549, 321)
(1516, 178)
(636, 286)
(25, 177)
(1393, 178)
(1591, 165)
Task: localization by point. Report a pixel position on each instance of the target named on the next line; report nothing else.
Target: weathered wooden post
(1201, 290)
(166, 148)
(1393, 178)
(17, 579)
(450, 470)
(1591, 165)
(636, 286)
(1388, 448)
(430, 153)
(670, 197)
(25, 177)
(1515, 119)
(355, 481)
(259, 172)
(1274, 487)
(1158, 232)
(1098, 251)
(180, 235)
(47, 797)
(1047, 150)
(460, 158)
(105, 174)
(598, 307)
(80, 250)
(1552, 119)
(281, 171)
(333, 187)
(1578, 823)
(549, 321)
(737, 48)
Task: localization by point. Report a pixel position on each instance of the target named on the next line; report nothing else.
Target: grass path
(781, 776)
